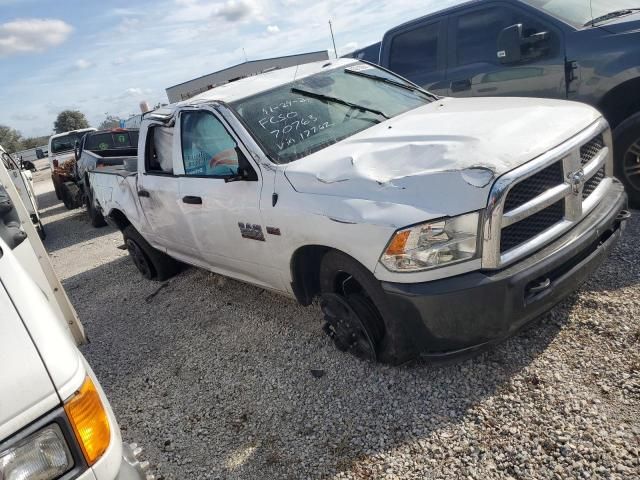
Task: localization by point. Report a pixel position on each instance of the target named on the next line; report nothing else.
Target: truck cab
(583, 51)
(55, 420)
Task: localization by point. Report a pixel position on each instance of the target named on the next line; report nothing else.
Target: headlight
(433, 244)
(43, 456)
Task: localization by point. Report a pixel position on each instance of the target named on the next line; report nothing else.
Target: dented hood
(452, 147)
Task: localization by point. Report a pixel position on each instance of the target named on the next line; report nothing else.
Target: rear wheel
(348, 302)
(627, 157)
(71, 195)
(56, 187)
(151, 263)
(95, 216)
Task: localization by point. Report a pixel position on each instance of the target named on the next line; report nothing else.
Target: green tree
(70, 120)
(110, 121)
(10, 139)
(33, 142)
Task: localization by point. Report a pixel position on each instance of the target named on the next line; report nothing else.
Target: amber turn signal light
(89, 420)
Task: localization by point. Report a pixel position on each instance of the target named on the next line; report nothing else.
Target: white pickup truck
(55, 421)
(426, 226)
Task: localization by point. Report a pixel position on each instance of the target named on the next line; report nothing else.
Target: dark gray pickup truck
(583, 50)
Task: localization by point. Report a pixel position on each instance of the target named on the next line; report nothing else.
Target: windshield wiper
(609, 16)
(411, 88)
(346, 103)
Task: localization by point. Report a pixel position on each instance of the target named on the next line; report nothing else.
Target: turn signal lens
(89, 420)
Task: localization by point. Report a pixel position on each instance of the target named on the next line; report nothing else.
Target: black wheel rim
(346, 329)
(632, 165)
(139, 259)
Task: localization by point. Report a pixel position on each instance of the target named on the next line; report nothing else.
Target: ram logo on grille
(577, 181)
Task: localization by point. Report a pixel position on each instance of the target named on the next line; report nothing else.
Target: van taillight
(55, 163)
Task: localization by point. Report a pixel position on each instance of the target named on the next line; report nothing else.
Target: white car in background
(55, 420)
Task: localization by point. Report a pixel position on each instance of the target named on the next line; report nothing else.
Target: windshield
(66, 142)
(112, 140)
(314, 112)
(580, 12)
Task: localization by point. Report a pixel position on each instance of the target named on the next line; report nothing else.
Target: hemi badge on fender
(273, 231)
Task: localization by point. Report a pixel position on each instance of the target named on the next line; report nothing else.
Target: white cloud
(238, 10)
(82, 64)
(273, 29)
(32, 35)
(127, 24)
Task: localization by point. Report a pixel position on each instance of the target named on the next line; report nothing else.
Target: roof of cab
(80, 130)
(247, 87)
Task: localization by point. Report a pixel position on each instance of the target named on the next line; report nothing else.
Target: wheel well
(616, 106)
(120, 219)
(305, 272)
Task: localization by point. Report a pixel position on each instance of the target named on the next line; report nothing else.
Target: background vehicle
(20, 173)
(61, 150)
(407, 214)
(55, 420)
(96, 150)
(584, 51)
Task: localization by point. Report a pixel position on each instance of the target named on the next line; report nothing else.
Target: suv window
(159, 154)
(207, 147)
(477, 35)
(416, 51)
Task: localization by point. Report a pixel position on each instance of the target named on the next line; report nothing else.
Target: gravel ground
(218, 379)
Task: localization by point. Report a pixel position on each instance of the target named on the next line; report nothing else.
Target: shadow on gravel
(72, 230)
(219, 372)
(48, 199)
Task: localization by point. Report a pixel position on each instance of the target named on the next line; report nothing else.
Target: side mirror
(510, 44)
(39, 154)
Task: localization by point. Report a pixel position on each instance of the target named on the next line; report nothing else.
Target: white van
(55, 420)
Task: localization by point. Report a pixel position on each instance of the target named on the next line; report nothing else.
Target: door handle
(143, 193)
(192, 200)
(461, 85)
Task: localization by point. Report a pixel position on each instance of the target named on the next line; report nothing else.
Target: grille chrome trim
(536, 205)
(576, 209)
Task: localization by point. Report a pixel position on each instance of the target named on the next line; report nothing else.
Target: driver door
(474, 69)
(223, 217)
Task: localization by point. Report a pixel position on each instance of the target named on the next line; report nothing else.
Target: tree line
(13, 141)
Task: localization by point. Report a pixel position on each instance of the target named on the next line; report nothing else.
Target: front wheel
(151, 263)
(627, 157)
(349, 294)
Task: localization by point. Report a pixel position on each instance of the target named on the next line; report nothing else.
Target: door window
(478, 32)
(207, 147)
(159, 154)
(416, 51)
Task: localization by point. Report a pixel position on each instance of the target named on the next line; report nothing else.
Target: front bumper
(464, 314)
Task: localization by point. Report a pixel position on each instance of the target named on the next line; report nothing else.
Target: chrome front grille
(534, 204)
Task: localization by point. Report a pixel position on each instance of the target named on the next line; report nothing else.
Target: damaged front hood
(444, 156)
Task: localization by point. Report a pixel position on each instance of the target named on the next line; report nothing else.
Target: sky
(104, 57)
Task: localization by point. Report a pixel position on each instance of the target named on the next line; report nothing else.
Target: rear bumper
(467, 313)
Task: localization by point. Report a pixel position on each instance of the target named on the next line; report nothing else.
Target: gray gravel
(218, 379)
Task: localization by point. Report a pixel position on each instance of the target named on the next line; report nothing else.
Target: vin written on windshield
(312, 113)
